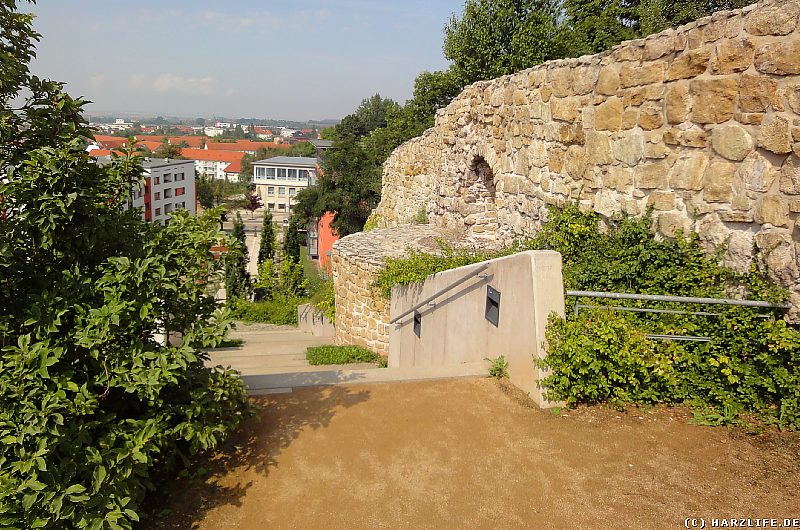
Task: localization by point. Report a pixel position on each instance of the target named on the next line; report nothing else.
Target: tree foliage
(91, 399)
(266, 248)
(292, 240)
(237, 280)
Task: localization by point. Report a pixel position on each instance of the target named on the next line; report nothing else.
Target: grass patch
(230, 343)
(278, 311)
(318, 355)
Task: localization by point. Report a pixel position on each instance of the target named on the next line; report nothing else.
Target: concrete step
(343, 375)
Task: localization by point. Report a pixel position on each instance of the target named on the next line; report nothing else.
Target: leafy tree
(253, 202)
(656, 15)
(266, 249)
(292, 241)
(237, 280)
(167, 150)
(328, 133)
(90, 398)
(596, 25)
(498, 37)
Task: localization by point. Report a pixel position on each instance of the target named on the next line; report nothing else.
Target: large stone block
(775, 134)
(655, 48)
(652, 175)
(629, 149)
(670, 223)
(690, 64)
(608, 81)
(733, 56)
(651, 116)
(781, 58)
(641, 75)
(714, 100)
(793, 97)
(678, 102)
(718, 180)
(790, 175)
(772, 209)
(618, 178)
(598, 149)
(688, 171)
(756, 93)
(662, 200)
(776, 19)
(757, 173)
(608, 116)
(564, 109)
(732, 142)
(779, 252)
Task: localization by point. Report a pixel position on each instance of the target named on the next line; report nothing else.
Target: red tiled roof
(234, 167)
(152, 146)
(109, 142)
(263, 130)
(191, 141)
(215, 156)
(149, 138)
(240, 145)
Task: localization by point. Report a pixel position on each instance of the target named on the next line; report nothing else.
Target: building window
(167, 177)
(179, 176)
(157, 196)
(260, 172)
(270, 191)
(303, 175)
(292, 192)
(270, 172)
(158, 211)
(157, 180)
(167, 193)
(292, 174)
(271, 206)
(281, 173)
(179, 191)
(281, 191)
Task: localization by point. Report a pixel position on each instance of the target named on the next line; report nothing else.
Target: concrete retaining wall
(311, 320)
(454, 328)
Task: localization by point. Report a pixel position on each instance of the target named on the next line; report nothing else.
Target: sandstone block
(715, 29)
(718, 180)
(688, 171)
(608, 116)
(651, 116)
(630, 148)
(690, 64)
(732, 142)
(756, 93)
(776, 19)
(564, 109)
(779, 253)
(714, 100)
(607, 203)
(520, 98)
(575, 162)
(641, 75)
(561, 81)
(781, 58)
(662, 200)
(584, 79)
(655, 48)
(628, 52)
(757, 173)
(670, 223)
(598, 149)
(772, 209)
(656, 151)
(749, 118)
(618, 178)
(630, 118)
(653, 174)
(555, 159)
(793, 97)
(733, 56)
(790, 175)
(608, 81)
(678, 103)
(775, 134)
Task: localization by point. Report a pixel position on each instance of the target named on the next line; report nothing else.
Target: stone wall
(362, 313)
(701, 123)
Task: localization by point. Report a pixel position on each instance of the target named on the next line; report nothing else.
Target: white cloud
(264, 20)
(97, 80)
(165, 83)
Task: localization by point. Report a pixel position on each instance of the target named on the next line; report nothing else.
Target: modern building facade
(215, 164)
(279, 179)
(169, 185)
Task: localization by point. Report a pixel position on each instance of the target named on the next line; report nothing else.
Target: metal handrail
(684, 299)
(440, 292)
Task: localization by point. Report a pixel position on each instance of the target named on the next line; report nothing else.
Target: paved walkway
(273, 359)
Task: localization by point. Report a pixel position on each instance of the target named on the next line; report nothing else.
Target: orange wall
(327, 237)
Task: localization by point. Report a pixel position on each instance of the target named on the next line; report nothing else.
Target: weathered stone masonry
(702, 123)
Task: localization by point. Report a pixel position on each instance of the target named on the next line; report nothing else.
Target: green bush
(318, 355)
(280, 310)
(498, 367)
(324, 299)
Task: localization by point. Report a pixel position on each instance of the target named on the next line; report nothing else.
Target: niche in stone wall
(479, 183)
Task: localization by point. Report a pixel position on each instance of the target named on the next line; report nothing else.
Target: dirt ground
(475, 454)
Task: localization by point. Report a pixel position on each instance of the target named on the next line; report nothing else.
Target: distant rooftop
(322, 144)
(293, 161)
(150, 163)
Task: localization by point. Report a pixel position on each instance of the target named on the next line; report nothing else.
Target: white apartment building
(220, 165)
(279, 179)
(169, 185)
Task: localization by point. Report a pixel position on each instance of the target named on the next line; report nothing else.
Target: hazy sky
(282, 59)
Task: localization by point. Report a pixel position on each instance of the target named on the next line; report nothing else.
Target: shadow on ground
(255, 446)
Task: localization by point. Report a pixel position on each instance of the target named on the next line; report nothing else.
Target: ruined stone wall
(362, 313)
(701, 123)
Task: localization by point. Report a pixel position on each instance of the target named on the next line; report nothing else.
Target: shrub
(319, 355)
(498, 367)
(280, 310)
(324, 299)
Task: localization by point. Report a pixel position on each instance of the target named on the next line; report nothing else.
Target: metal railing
(440, 292)
(675, 299)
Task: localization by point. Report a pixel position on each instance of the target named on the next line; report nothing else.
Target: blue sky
(298, 60)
